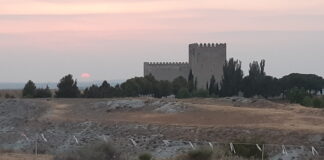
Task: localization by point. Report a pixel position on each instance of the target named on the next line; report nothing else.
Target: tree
(106, 91)
(43, 93)
(232, 78)
(92, 92)
(310, 82)
(67, 88)
(258, 83)
(183, 93)
(200, 93)
(29, 89)
(191, 83)
(178, 83)
(296, 95)
(213, 86)
(164, 89)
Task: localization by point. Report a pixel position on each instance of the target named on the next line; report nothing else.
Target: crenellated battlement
(205, 60)
(166, 63)
(207, 45)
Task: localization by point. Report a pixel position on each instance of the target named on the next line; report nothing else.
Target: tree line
(294, 87)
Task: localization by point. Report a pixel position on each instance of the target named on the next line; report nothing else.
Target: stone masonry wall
(167, 70)
(207, 60)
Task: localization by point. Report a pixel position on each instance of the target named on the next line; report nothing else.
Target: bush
(200, 154)
(318, 103)
(183, 93)
(248, 150)
(145, 156)
(200, 93)
(307, 101)
(7, 96)
(43, 93)
(99, 151)
(178, 83)
(296, 95)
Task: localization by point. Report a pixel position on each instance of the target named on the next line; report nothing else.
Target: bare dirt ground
(16, 156)
(201, 113)
(149, 121)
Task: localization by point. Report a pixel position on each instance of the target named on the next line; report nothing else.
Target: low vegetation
(104, 151)
(145, 156)
(303, 97)
(297, 88)
(30, 91)
(98, 151)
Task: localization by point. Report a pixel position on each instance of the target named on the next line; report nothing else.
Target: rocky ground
(163, 127)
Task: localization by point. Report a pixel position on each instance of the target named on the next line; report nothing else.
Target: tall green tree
(106, 90)
(232, 78)
(213, 86)
(92, 92)
(191, 83)
(252, 84)
(67, 88)
(29, 89)
(258, 83)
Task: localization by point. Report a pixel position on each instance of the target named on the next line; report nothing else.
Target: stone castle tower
(205, 60)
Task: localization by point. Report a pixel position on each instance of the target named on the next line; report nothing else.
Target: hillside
(70, 123)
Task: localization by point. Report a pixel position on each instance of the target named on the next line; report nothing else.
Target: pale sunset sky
(43, 40)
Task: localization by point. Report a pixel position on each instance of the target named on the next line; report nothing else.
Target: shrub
(248, 150)
(43, 93)
(145, 156)
(183, 93)
(178, 83)
(200, 154)
(99, 151)
(317, 102)
(7, 96)
(296, 95)
(200, 93)
(307, 101)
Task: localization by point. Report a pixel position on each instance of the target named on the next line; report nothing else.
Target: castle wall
(206, 60)
(167, 70)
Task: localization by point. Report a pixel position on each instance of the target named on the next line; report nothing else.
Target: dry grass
(21, 156)
(290, 117)
(14, 93)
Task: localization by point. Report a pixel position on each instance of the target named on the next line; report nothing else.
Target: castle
(205, 61)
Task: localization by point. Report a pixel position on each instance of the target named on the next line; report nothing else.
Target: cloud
(125, 25)
(144, 6)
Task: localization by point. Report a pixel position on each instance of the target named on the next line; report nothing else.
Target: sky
(43, 40)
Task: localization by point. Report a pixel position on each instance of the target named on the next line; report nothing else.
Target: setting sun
(85, 75)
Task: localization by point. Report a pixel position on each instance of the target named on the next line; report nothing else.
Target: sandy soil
(199, 114)
(16, 156)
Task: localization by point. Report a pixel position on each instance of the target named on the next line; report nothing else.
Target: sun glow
(85, 75)
(36, 7)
